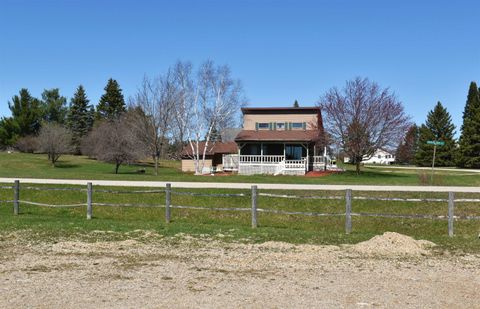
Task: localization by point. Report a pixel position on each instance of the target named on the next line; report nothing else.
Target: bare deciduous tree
(115, 142)
(152, 113)
(362, 118)
(54, 140)
(211, 99)
(183, 80)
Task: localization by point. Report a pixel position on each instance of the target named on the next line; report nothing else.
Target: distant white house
(380, 156)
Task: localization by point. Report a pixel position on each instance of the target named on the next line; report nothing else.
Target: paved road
(224, 185)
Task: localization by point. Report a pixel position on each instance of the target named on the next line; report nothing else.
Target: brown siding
(249, 120)
(188, 166)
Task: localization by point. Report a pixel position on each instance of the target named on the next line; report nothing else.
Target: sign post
(434, 143)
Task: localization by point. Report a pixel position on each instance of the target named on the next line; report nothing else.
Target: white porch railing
(267, 164)
(259, 159)
(295, 164)
(318, 159)
(273, 164)
(317, 163)
(230, 162)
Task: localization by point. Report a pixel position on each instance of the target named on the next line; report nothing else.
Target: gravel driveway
(391, 271)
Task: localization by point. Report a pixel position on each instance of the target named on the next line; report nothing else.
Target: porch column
(284, 152)
(325, 159)
(308, 160)
(261, 158)
(238, 162)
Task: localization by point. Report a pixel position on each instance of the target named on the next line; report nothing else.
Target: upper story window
(263, 125)
(280, 126)
(297, 125)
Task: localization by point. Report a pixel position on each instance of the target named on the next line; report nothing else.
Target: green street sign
(439, 143)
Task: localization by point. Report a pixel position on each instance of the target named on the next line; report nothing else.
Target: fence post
(168, 200)
(254, 207)
(16, 197)
(451, 207)
(89, 201)
(348, 211)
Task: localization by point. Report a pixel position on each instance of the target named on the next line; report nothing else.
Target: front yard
(79, 167)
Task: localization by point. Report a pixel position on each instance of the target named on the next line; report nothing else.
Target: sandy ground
(389, 271)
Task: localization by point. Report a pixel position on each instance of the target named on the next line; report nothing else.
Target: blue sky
(281, 50)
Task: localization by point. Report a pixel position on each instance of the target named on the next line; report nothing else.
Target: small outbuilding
(213, 155)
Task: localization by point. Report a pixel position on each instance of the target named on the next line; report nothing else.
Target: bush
(27, 144)
(88, 143)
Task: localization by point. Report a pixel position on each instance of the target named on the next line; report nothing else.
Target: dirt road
(183, 272)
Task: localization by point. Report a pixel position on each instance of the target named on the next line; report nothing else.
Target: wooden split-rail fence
(254, 209)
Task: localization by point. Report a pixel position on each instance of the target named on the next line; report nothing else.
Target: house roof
(281, 110)
(212, 148)
(283, 136)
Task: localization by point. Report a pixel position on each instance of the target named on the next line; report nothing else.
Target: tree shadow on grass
(66, 165)
(374, 174)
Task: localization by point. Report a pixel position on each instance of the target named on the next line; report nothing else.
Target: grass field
(52, 224)
(79, 167)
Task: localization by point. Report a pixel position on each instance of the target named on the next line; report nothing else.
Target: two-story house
(279, 140)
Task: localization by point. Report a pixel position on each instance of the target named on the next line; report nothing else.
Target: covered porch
(289, 158)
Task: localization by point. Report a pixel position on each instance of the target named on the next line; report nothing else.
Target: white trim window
(297, 125)
(263, 126)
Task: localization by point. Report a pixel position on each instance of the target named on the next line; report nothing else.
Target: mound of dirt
(393, 244)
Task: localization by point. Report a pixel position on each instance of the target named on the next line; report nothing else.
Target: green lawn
(79, 167)
(48, 224)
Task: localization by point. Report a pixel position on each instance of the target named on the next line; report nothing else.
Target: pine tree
(26, 112)
(408, 146)
(90, 118)
(215, 136)
(25, 120)
(112, 103)
(78, 119)
(295, 104)
(54, 106)
(438, 127)
(9, 132)
(468, 154)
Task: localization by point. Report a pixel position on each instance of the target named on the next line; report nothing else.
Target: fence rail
(51, 205)
(254, 194)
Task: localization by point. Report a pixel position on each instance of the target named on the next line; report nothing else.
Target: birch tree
(210, 99)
